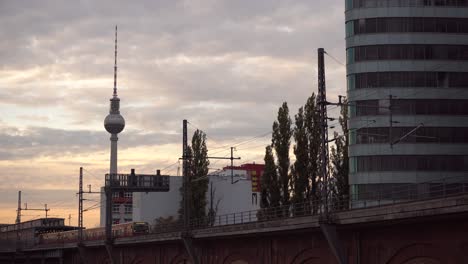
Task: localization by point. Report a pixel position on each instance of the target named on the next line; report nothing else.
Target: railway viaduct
(420, 232)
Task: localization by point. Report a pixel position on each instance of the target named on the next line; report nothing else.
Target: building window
(405, 3)
(116, 208)
(115, 221)
(408, 79)
(115, 195)
(411, 107)
(126, 220)
(351, 82)
(407, 24)
(350, 55)
(411, 163)
(128, 208)
(128, 195)
(380, 135)
(349, 29)
(408, 52)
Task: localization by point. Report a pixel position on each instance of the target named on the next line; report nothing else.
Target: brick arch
(420, 253)
(306, 256)
(422, 260)
(136, 260)
(237, 258)
(181, 259)
(105, 260)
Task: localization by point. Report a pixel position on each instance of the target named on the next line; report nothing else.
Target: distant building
(122, 207)
(227, 197)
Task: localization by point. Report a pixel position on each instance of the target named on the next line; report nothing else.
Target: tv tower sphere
(114, 122)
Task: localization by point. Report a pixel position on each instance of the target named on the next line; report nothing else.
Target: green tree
(339, 162)
(312, 127)
(270, 192)
(198, 182)
(299, 170)
(281, 142)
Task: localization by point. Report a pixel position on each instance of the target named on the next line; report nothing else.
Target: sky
(224, 65)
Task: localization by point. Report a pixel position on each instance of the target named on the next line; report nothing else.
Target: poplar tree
(299, 170)
(198, 182)
(312, 127)
(270, 192)
(339, 160)
(281, 142)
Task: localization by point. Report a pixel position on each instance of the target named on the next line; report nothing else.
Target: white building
(227, 198)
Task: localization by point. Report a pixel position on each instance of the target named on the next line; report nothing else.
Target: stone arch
(420, 253)
(181, 259)
(105, 260)
(306, 256)
(137, 261)
(422, 260)
(237, 258)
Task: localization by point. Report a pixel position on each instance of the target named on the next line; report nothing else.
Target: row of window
(116, 221)
(407, 52)
(128, 208)
(405, 191)
(408, 79)
(122, 194)
(409, 163)
(404, 3)
(411, 107)
(406, 24)
(381, 135)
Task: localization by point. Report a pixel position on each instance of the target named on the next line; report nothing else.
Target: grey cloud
(41, 141)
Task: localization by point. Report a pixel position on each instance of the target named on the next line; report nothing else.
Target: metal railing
(312, 207)
(137, 181)
(401, 194)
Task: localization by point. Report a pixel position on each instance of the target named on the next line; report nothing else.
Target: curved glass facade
(381, 135)
(404, 3)
(414, 79)
(410, 52)
(407, 24)
(397, 49)
(449, 107)
(419, 163)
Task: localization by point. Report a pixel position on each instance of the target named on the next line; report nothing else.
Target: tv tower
(114, 122)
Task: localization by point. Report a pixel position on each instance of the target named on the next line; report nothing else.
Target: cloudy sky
(224, 65)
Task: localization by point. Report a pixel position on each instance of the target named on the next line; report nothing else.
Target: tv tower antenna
(115, 64)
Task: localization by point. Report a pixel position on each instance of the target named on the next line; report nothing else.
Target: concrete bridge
(429, 231)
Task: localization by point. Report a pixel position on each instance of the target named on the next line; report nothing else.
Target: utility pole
(185, 171)
(18, 221)
(46, 210)
(232, 166)
(80, 207)
(328, 229)
(232, 163)
(322, 102)
(186, 235)
(18, 211)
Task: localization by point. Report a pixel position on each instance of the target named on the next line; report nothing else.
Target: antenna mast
(115, 63)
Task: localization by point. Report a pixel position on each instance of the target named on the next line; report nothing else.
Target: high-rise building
(407, 79)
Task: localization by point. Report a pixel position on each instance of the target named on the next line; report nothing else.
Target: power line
(335, 59)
